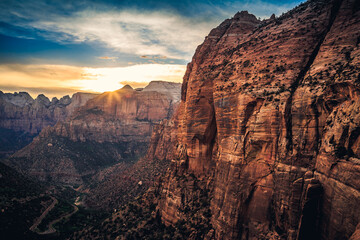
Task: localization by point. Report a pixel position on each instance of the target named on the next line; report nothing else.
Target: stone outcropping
(269, 123)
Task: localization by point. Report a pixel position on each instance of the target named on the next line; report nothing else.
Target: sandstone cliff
(100, 141)
(22, 117)
(20, 112)
(269, 125)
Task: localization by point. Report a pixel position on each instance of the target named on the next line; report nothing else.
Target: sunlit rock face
(122, 115)
(111, 128)
(269, 121)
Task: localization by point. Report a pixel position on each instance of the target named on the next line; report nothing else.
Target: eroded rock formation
(20, 112)
(269, 123)
(22, 117)
(111, 129)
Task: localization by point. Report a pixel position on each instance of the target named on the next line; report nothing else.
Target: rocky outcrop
(170, 89)
(269, 123)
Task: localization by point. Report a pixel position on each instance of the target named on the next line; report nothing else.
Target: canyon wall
(269, 124)
(22, 117)
(20, 112)
(100, 140)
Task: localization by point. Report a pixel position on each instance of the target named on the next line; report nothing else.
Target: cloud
(141, 33)
(108, 58)
(51, 79)
(41, 74)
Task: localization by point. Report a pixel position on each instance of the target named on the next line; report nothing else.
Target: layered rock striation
(22, 117)
(20, 112)
(269, 124)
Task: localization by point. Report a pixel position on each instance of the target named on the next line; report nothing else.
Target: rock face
(168, 88)
(22, 117)
(123, 115)
(20, 112)
(269, 123)
(113, 128)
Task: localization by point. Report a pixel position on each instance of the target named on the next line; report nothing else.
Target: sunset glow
(110, 79)
(64, 79)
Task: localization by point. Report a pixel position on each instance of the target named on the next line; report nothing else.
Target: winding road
(38, 221)
(51, 228)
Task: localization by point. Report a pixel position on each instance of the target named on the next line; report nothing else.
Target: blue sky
(109, 34)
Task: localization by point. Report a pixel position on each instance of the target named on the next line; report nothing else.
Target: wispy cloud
(151, 33)
(108, 58)
(32, 72)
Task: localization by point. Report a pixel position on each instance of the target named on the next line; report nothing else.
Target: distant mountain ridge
(22, 117)
(106, 136)
(20, 112)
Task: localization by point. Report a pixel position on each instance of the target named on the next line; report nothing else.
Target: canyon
(99, 144)
(267, 142)
(262, 143)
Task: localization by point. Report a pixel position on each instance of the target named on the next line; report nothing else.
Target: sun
(111, 79)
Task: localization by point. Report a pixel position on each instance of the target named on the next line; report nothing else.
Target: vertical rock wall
(269, 122)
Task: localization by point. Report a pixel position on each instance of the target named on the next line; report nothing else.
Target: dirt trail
(38, 221)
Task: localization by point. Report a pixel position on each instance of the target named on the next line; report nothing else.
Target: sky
(62, 47)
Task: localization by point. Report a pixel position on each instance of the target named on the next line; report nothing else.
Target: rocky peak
(20, 99)
(245, 16)
(80, 98)
(54, 100)
(21, 113)
(170, 89)
(127, 87)
(42, 99)
(66, 100)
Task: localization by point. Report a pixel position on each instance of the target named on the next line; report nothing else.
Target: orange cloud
(161, 57)
(108, 58)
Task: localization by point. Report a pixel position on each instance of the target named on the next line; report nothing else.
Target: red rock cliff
(270, 122)
(112, 128)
